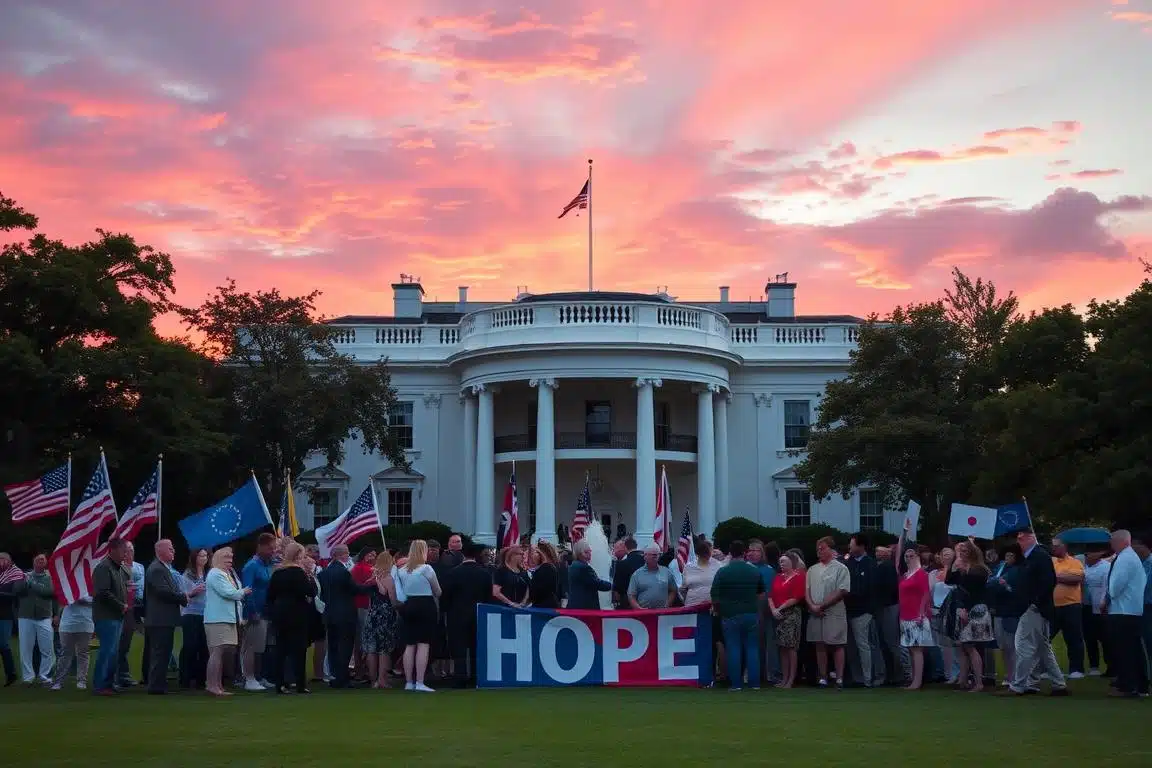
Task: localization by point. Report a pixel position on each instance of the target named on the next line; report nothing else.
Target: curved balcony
(591, 320)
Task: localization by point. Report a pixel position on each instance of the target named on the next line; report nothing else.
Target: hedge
(396, 536)
(803, 538)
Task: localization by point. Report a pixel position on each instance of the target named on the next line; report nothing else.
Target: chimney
(408, 297)
(462, 301)
(723, 294)
(781, 297)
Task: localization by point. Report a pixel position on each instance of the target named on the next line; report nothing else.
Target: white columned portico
(721, 414)
(469, 460)
(545, 459)
(706, 460)
(645, 459)
(485, 530)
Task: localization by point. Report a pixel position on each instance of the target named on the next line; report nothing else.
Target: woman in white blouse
(416, 581)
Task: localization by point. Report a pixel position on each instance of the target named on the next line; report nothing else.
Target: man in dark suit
(583, 582)
(163, 598)
(338, 590)
(632, 562)
(462, 589)
(1033, 633)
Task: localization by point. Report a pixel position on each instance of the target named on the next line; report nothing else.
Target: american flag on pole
(142, 510)
(510, 516)
(583, 513)
(11, 574)
(42, 497)
(580, 202)
(660, 524)
(71, 562)
(685, 552)
(361, 518)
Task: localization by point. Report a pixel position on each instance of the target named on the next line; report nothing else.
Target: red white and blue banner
(533, 647)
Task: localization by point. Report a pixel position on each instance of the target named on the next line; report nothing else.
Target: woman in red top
(362, 573)
(785, 600)
(915, 615)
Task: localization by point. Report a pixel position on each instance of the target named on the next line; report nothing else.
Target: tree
(897, 422)
(84, 369)
(290, 392)
(13, 216)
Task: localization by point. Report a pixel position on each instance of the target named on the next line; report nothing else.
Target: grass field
(601, 728)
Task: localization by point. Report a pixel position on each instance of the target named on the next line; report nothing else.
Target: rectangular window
(400, 424)
(324, 507)
(871, 511)
(598, 424)
(797, 508)
(399, 506)
(797, 422)
(663, 426)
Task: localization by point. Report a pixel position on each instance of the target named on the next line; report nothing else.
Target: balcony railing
(609, 440)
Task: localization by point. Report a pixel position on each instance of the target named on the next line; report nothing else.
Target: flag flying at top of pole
(360, 518)
(142, 510)
(46, 495)
(582, 201)
(578, 203)
(71, 562)
(685, 551)
(583, 513)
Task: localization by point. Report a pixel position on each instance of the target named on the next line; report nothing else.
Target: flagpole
(263, 503)
(379, 524)
(159, 496)
(589, 224)
(68, 508)
(108, 479)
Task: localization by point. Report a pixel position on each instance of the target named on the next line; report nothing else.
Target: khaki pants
(73, 645)
(1033, 643)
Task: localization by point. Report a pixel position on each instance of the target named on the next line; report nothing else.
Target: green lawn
(599, 728)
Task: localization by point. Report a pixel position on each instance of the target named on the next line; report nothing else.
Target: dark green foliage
(802, 538)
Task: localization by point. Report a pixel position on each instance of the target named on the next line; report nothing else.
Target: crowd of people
(902, 615)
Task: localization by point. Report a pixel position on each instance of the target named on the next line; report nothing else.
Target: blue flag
(1011, 518)
(227, 520)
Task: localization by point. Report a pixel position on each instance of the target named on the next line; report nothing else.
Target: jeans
(127, 632)
(1067, 620)
(6, 649)
(36, 634)
(742, 643)
(108, 635)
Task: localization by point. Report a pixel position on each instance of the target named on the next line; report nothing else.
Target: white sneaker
(253, 686)
(1076, 676)
(81, 685)
(409, 686)
(422, 688)
(1094, 672)
(56, 686)
(267, 685)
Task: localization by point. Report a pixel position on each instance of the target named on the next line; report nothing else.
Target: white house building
(600, 385)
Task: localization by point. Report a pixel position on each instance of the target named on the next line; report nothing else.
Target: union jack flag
(580, 202)
(44, 496)
(685, 552)
(583, 514)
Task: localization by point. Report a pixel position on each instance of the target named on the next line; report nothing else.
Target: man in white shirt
(1124, 606)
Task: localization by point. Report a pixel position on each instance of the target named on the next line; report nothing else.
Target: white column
(721, 415)
(545, 459)
(645, 459)
(705, 460)
(485, 466)
(469, 461)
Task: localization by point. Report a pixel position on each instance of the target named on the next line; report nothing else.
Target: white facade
(612, 386)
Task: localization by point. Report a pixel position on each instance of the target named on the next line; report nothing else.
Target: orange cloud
(930, 157)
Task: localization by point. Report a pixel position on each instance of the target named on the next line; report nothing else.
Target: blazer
(583, 586)
(163, 596)
(289, 598)
(339, 591)
(109, 590)
(544, 589)
(1037, 582)
(631, 563)
(223, 598)
(461, 590)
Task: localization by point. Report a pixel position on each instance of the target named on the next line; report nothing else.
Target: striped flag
(11, 574)
(685, 552)
(660, 524)
(286, 524)
(361, 518)
(580, 202)
(71, 562)
(42, 497)
(510, 516)
(583, 513)
(143, 510)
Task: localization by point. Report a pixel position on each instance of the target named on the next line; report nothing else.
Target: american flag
(660, 524)
(361, 518)
(44, 496)
(583, 514)
(71, 562)
(685, 552)
(580, 202)
(11, 574)
(510, 516)
(143, 510)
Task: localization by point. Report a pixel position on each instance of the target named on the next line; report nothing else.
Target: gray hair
(339, 550)
(1122, 536)
(580, 547)
(652, 549)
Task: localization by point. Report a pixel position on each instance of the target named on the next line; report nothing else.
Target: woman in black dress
(510, 584)
(290, 593)
(544, 590)
(974, 621)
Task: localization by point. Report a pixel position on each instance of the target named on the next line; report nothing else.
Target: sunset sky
(863, 146)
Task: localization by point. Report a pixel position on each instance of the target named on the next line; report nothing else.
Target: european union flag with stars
(236, 516)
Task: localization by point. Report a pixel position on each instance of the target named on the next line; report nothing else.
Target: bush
(802, 538)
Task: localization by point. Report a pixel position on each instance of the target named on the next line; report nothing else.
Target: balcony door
(598, 424)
